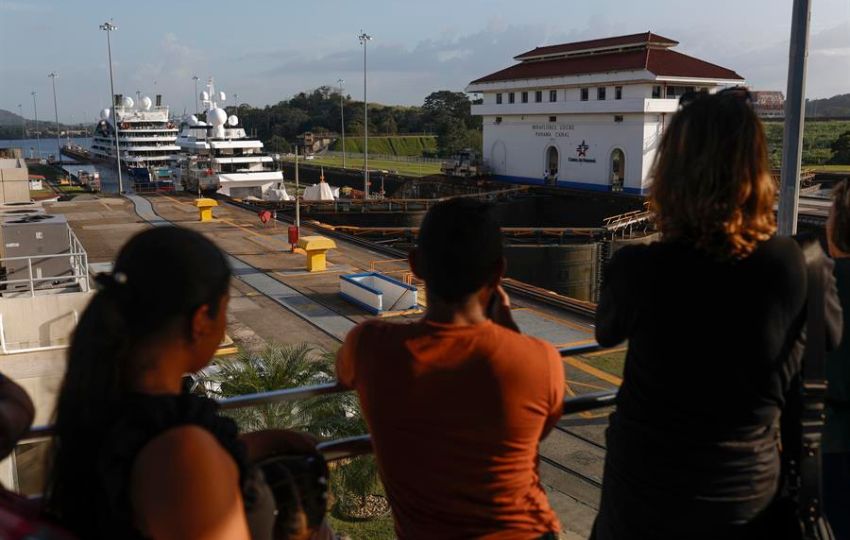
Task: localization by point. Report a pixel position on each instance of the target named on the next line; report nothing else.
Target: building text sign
(552, 130)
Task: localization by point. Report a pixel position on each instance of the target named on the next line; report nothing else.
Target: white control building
(589, 114)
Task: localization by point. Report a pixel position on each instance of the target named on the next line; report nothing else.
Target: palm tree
(331, 416)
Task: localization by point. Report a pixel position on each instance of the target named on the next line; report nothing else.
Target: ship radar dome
(146, 103)
(205, 96)
(127, 102)
(104, 114)
(217, 117)
(232, 120)
(222, 96)
(192, 120)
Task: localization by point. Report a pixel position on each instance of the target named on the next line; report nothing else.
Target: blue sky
(267, 51)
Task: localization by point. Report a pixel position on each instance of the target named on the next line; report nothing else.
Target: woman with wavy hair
(712, 313)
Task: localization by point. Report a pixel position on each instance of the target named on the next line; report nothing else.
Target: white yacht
(146, 138)
(220, 156)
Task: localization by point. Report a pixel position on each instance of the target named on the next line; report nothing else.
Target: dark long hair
(711, 181)
(160, 278)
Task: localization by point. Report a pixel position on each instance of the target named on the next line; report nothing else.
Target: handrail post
(795, 105)
(32, 284)
(3, 336)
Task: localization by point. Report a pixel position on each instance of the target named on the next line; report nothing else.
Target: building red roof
(661, 62)
(644, 38)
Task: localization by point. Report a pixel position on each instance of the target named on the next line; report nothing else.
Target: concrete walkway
(316, 314)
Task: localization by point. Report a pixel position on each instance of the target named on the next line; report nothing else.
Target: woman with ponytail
(133, 457)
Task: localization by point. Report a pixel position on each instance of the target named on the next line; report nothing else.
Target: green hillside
(399, 145)
(818, 136)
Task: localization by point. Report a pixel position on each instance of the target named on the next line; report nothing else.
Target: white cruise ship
(220, 156)
(146, 138)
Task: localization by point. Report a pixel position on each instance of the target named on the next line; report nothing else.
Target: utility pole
(792, 141)
(342, 120)
(23, 121)
(197, 107)
(37, 136)
(108, 27)
(52, 76)
(364, 39)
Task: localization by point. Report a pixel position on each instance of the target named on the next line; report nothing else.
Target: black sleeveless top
(139, 419)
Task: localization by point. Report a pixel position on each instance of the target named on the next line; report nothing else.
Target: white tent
(277, 194)
(319, 192)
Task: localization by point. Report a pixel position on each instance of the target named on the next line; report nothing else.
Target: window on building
(498, 119)
(600, 93)
(618, 118)
(618, 92)
(525, 97)
(511, 97)
(656, 92)
(585, 93)
(553, 96)
(553, 119)
(498, 99)
(678, 91)
(538, 96)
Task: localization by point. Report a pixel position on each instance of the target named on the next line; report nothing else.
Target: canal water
(46, 147)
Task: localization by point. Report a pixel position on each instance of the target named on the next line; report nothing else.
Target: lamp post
(23, 121)
(108, 27)
(342, 120)
(364, 39)
(195, 78)
(37, 136)
(53, 76)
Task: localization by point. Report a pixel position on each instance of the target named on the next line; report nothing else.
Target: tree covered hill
(835, 106)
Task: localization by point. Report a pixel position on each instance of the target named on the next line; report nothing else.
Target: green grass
(818, 136)
(612, 362)
(376, 529)
(396, 145)
(403, 168)
(832, 168)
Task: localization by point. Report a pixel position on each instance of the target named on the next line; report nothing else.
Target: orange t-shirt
(456, 414)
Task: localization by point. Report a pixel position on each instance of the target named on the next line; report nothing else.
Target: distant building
(769, 103)
(14, 177)
(588, 114)
(310, 143)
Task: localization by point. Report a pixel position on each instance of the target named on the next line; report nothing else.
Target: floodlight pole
(342, 120)
(108, 27)
(37, 136)
(297, 198)
(364, 39)
(197, 107)
(53, 76)
(23, 121)
(792, 141)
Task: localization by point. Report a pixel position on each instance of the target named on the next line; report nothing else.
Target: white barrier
(377, 293)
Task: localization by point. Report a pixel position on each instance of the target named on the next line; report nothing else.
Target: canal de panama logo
(581, 153)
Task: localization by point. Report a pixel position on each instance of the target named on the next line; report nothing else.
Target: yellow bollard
(316, 248)
(205, 207)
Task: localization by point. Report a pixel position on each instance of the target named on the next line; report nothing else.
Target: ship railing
(350, 447)
(38, 283)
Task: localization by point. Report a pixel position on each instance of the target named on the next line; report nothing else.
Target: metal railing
(382, 157)
(78, 264)
(349, 447)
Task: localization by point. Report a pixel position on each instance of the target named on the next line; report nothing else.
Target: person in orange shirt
(458, 402)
